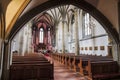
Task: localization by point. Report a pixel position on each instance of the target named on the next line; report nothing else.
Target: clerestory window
(87, 28)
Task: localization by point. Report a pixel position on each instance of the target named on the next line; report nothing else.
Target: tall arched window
(49, 37)
(41, 35)
(87, 28)
(87, 24)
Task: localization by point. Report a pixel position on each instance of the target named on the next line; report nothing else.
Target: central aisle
(63, 73)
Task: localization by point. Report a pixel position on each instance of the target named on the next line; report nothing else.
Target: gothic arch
(53, 3)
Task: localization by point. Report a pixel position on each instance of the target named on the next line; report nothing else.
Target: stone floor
(63, 73)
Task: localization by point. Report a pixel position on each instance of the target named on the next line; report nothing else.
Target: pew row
(31, 67)
(97, 70)
(31, 71)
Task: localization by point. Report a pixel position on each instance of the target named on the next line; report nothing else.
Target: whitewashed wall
(96, 42)
(99, 38)
(22, 42)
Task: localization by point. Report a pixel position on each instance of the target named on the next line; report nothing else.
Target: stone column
(76, 33)
(21, 44)
(4, 48)
(1, 56)
(115, 51)
(5, 67)
(70, 37)
(56, 37)
(63, 42)
(80, 27)
(66, 37)
(119, 31)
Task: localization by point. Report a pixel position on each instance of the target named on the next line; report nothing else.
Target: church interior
(60, 40)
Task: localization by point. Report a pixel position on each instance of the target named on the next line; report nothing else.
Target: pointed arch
(79, 3)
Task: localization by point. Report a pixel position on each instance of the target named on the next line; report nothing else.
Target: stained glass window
(41, 35)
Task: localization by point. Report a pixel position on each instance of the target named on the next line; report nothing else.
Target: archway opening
(66, 28)
(75, 45)
(80, 4)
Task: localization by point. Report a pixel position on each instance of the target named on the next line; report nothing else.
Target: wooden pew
(54, 56)
(66, 60)
(94, 67)
(84, 62)
(31, 67)
(103, 70)
(31, 71)
(28, 59)
(34, 54)
(60, 57)
(75, 63)
(30, 62)
(70, 61)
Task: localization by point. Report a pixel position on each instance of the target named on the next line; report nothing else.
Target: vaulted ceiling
(106, 7)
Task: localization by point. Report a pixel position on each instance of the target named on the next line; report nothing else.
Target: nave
(36, 66)
(56, 66)
(83, 27)
(24, 68)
